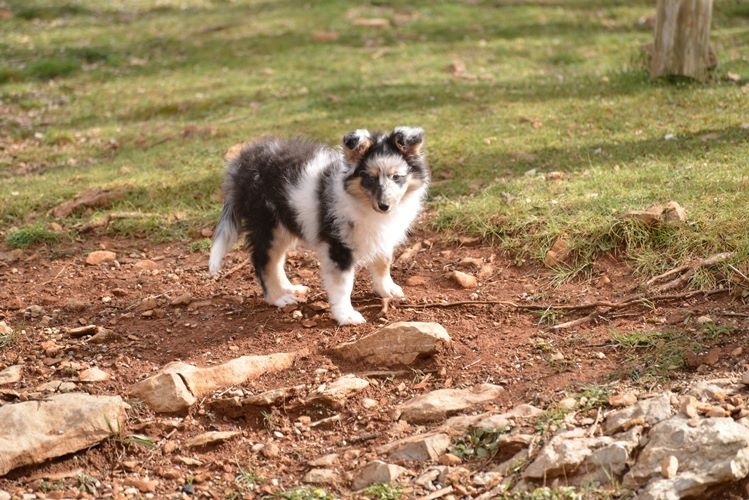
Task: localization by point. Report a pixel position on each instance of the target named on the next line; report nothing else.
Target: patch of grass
(88, 484)
(30, 235)
(549, 88)
(551, 418)
(139, 440)
(305, 493)
(480, 444)
(200, 245)
(593, 396)
(247, 480)
(48, 68)
(713, 331)
(655, 354)
(383, 491)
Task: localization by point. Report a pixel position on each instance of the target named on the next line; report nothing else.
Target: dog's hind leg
(279, 291)
(382, 282)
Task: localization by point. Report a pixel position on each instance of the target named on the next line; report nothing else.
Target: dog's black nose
(383, 207)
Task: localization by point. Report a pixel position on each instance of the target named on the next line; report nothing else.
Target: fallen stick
(90, 226)
(236, 268)
(687, 271)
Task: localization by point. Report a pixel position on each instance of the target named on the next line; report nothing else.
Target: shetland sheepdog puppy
(353, 205)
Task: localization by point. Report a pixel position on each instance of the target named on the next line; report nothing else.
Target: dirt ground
(225, 318)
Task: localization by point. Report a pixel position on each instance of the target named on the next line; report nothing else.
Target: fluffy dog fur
(353, 205)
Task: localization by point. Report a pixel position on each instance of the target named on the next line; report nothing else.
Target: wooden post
(682, 38)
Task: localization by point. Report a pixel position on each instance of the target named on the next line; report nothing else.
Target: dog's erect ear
(409, 140)
(356, 144)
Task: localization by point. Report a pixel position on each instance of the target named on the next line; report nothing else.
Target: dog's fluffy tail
(224, 237)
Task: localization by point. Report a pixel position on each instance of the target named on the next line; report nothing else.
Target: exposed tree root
(683, 274)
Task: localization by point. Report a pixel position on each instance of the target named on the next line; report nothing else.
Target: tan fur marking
(413, 183)
(380, 267)
(353, 155)
(355, 189)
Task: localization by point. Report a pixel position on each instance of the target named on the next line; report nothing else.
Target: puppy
(352, 205)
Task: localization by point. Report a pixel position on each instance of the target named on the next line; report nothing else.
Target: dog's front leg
(382, 282)
(338, 281)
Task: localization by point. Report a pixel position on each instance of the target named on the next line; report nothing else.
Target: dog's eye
(398, 178)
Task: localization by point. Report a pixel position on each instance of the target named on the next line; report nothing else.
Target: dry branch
(90, 226)
(685, 273)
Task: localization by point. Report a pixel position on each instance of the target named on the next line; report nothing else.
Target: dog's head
(385, 168)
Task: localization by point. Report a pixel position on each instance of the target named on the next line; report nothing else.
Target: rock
(396, 344)
(99, 257)
(237, 406)
(147, 265)
(558, 252)
(674, 214)
(471, 262)
(11, 375)
(182, 300)
(745, 378)
(450, 459)
(33, 311)
(712, 454)
(4, 495)
(581, 459)
(567, 403)
(177, 385)
(328, 460)
(439, 404)
(35, 431)
(5, 329)
(56, 386)
(322, 476)
(376, 472)
(704, 320)
(82, 331)
(645, 412)
(337, 392)
(669, 466)
(688, 406)
(671, 214)
(626, 399)
(211, 437)
(416, 281)
(270, 450)
(142, 485)
(464, 280)
(369, 403)
(102, 335)
(93, 374)
(419, 448)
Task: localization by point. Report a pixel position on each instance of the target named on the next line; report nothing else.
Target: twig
(575, 322)
(53, 279)
(743, 276)
(439, 493)
(90, 226)
(734, 314)
(687, 271)
(236, 268)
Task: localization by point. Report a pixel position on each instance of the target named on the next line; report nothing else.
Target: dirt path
(42, 293)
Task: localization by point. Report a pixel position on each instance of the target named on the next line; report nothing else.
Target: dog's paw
(349, 317)
(284, 300)
(390, 290)
(299, 289)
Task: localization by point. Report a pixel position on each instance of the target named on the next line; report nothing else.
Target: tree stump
(682, 39)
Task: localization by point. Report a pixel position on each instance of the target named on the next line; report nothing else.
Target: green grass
(655, 354)
(382, 491)
(149, 94)
(306, 493)
(30, 236)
